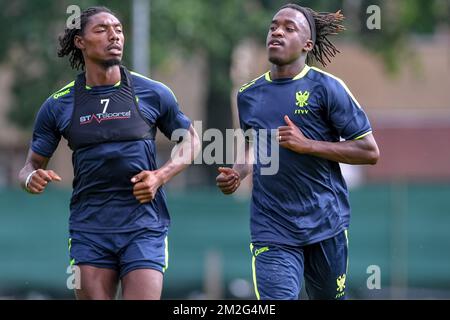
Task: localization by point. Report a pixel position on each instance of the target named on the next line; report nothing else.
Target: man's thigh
(326, 268)
(277, 272)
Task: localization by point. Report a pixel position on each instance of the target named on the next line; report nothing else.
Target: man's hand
(39, 179)
(146, 184)
(228, 180)
(291, 137)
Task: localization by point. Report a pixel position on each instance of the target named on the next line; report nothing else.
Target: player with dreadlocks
(300, 214)
(119, 219)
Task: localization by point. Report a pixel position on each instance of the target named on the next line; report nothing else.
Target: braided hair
(322, 24)
(67, 43)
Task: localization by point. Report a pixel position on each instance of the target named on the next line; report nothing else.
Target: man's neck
(97, 75)
(287, 71)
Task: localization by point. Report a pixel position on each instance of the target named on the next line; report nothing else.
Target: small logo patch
(302, 98)
(340, 281)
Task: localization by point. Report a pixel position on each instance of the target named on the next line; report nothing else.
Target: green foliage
(401, 18)
(29, 33)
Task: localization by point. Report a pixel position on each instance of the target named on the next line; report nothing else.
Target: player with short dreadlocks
(109, 116)
(300, 213)
(67, 43)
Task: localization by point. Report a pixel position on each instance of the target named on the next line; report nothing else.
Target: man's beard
(110, 63)
(277, 61)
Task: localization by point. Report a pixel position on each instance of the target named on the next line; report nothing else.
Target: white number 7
(106, 102)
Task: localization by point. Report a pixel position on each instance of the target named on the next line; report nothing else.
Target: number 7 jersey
(111, 130)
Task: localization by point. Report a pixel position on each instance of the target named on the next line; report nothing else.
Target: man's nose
(113, 35)
(278, 32)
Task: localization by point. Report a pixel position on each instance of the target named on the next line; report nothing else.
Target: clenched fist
(38, 180)
(146, 184)
(228, 180)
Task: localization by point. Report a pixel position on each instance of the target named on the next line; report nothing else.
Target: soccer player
(109, 116)
(300, 215)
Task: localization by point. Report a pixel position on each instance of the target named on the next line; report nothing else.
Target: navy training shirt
(102, 199)
(306, 201)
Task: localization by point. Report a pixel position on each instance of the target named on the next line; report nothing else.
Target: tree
(215, 27)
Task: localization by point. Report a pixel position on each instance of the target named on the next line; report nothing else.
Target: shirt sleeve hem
(359, 137)
(39, 152)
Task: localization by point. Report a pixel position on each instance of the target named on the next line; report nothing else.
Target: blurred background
(204, 51)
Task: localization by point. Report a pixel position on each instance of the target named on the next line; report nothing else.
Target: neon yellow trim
(142, 76)
(303, 73)
(254, 273)
(249, 84)
(116, 85)
(71, 84)
(363, 135)
(245, 86)
(166, 254)
(297, 77)
(72, 262)
(261, 250)
(341, 82)
(63, 91)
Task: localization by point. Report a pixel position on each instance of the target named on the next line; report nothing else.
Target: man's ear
(309, 46)
(79, 42)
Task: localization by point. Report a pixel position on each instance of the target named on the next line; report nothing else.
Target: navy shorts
(278, 271)
(124, 252)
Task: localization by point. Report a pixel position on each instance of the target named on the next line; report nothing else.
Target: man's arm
(230, 179)
(146, 183)
(34, 177)
(362, 151)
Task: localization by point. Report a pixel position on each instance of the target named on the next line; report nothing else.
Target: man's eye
(119, 30)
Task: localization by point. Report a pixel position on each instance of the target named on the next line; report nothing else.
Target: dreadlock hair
(66, 40)
(322, 24)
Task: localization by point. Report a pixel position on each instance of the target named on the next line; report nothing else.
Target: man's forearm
(169, 170)
(350, 152)
(32, 163)
(25, 172)
(244, 161)
(182, 156)
(243, 169)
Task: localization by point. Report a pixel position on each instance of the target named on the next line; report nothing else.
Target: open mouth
(275, 44)
(115, 49)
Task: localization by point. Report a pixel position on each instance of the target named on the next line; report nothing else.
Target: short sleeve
(241, 113)
(345, 113)
(46, 135)
(171, 117)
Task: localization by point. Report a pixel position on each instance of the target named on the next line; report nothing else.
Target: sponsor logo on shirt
(99, 117)
(60, 94)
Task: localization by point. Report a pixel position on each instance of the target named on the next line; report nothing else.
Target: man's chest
(304, 104)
